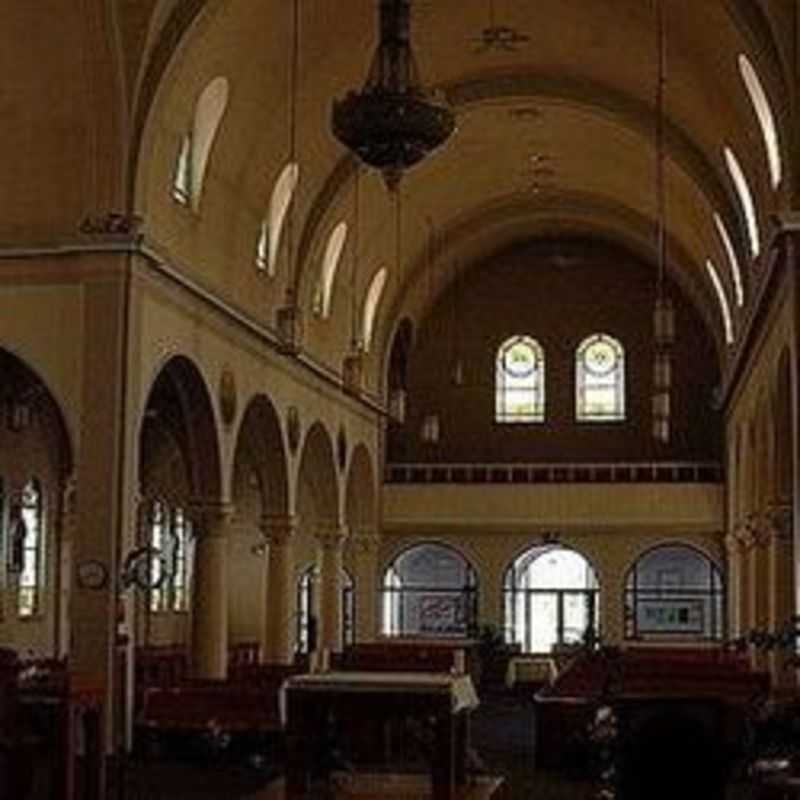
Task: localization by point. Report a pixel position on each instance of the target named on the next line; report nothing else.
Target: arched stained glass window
(271, 228)
(371, 302)
(330, 262)
(195, 149)
(519, 381)
(29, 529)
(170, 537)
(600, 379)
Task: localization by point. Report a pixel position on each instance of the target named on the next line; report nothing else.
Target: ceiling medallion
(393, 123)
(496, 36)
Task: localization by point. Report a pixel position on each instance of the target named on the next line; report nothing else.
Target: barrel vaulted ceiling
(555, 136)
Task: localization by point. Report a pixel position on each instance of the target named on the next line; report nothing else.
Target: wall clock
(92, 574)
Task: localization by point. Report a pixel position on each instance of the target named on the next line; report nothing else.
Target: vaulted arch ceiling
(567, 116)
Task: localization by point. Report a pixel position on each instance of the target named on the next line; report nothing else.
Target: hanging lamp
(393, 123)
(664, 312)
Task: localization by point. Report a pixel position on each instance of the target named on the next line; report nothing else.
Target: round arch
(179, 447)
(551, 598)
(429, 589)
(360, 494)
(260, 466)
(317, 480)
(674, 590)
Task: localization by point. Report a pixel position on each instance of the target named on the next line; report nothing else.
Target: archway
(260, 492)
(180, 480)
(430, 590)
(320, 538)
(36, 464)
(551, 599)
(674, 592)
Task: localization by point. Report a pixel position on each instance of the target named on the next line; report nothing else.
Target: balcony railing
(616, 472)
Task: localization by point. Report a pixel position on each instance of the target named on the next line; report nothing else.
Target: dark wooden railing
(612, 472)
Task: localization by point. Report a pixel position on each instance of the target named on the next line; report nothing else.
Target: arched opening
(674, 592)
(260, 494)
(551, 599)
(35, 467)
(429, 590)
(179, 466)
(308, 611)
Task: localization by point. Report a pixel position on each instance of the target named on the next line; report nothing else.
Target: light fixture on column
(353, 364)
(393, 123)
(430, 429)
(457, 369)
(664, 312)
(289, 317)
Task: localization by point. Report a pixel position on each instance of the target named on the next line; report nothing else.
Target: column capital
(733, 544)
(364, 539)
(278, 529)
(329, 535)
(210, 519)
(778, 518)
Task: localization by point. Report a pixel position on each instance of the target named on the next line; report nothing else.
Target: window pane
(519, 381)
(600, 379)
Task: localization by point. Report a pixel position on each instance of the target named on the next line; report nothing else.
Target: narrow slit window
(31, 540)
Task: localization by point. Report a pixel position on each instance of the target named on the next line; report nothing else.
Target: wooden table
(344, 701)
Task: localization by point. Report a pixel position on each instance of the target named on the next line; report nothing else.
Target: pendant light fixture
(457, 371)
(393, 123)
(664, 312)
(289, 318)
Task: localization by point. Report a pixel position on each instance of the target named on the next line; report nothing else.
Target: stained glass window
(600, 379)
(170, 537)
(32, 562)
(519, 381)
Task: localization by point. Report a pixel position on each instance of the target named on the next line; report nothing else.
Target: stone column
(278, 642)
(210, 592)
(781, 582)
(68, 526)
(364, 543)
(734, 585)
(331, 541)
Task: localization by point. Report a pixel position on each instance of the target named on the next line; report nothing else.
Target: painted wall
(559, 295)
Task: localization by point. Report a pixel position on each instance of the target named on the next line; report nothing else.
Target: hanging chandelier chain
(294, 70)
(660, 176)
(354, 339)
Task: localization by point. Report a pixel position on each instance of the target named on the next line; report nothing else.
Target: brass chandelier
(393, 123)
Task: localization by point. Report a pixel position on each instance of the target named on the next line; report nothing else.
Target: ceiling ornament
(663, 313)
(393, 123)
(499, 37)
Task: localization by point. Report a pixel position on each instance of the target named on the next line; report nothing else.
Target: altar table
(440, 701)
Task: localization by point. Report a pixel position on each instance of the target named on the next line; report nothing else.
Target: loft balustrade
(616, 472)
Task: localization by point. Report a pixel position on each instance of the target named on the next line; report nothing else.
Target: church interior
(400, 385)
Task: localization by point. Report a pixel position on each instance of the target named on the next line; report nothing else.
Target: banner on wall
(441, 615)
(670, 616)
